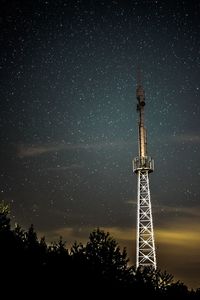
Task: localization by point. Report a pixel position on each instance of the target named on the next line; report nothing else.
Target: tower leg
(145, 244)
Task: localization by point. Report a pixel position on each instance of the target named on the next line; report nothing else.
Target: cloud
(177, 244)
(186, 138)
(183, 212)
(81, 234)
(131, 202)
(36, 150)
(178, 250)
(185, 237)
(69, 167)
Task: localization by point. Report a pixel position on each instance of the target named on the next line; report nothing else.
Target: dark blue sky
(68, 120)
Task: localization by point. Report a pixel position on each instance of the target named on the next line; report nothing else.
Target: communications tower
(142, 166)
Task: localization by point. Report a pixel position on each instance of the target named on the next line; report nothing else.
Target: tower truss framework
(142, 166)
(145, 245)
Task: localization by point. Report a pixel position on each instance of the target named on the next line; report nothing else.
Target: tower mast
(142, 166)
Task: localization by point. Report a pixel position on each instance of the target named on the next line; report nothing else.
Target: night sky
(68, 120)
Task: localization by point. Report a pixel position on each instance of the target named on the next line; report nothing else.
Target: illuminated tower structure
(142, 166)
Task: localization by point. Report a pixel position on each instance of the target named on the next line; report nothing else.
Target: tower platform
(145, 163)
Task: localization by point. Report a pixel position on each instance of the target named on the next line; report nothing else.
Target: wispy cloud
(69, 167)
(81, 234)
(182, 211)
(36, 150)
(186, 138)
(131, 202)
(181, 237)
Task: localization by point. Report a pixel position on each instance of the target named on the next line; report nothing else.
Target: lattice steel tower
(142, 166)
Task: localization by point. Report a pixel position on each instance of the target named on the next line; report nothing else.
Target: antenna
(139, 76)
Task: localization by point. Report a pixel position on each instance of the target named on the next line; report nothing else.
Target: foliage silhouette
(102, 259)
(31, 265)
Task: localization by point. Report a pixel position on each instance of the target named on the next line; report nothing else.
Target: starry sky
(68, 120)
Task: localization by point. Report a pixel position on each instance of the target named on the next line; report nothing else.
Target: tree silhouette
(4, 219)
(103, 260)
(99, 265)
(151, 282)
